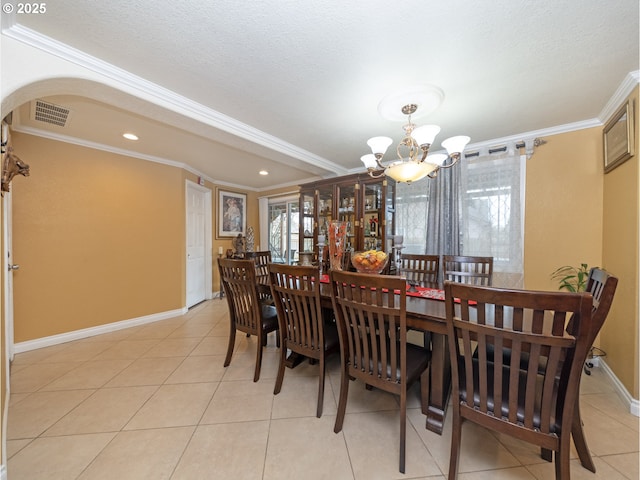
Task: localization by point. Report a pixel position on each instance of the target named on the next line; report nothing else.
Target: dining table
(425, 313)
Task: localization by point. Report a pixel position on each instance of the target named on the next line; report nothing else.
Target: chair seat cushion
(522, 379)
(269, 318)
(331, 338)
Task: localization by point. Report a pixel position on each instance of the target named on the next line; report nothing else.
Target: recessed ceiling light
(130, 136)
(263, 172)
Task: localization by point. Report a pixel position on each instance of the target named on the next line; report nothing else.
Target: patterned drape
(443, 213)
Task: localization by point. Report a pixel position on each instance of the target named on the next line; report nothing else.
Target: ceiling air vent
(50, 113)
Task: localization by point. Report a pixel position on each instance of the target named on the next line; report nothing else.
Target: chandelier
(413, 162)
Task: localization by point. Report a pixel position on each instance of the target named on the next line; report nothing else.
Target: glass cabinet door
(390, 215)
(373, 216)
(325, 209)
(347, 212)
(307, 228)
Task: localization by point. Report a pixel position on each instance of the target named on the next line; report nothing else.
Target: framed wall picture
(619, 137)
(232, 214)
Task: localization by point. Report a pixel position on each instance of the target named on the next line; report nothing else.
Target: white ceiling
(301, 80)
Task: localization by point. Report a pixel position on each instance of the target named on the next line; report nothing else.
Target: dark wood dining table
(425, 315)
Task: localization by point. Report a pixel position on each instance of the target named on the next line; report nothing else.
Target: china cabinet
(366, 204)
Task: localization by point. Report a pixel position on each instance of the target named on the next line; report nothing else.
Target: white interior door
(198, 244)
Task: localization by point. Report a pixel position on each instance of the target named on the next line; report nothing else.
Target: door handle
(14, 267)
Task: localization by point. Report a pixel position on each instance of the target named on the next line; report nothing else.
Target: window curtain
(443, 213)
(473, 208)
(263, 216)
(411, 214)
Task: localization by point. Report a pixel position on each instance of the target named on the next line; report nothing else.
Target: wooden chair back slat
(374, 323)
(420, 269)
(296, 290)
(471, 270)
(239, 281)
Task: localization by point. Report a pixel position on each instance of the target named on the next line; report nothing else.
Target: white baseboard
(3, 472)
(632, 403)
(90, 332)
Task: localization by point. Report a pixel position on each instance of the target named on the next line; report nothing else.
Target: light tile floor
(155, 402)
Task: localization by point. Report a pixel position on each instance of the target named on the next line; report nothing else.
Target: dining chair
(246, 312)
(371, 316)
(472, 270)
(302, 325)
(529, 404)
(602, 286)
(421, 270)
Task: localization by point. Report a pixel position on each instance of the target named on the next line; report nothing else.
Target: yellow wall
(99, 238)
(619, 338)
(563, 212)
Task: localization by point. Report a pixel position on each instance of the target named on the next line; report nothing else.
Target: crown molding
(624, 90)
(167, 98)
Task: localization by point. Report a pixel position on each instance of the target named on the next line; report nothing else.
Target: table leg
(294, 359)
(440, 384)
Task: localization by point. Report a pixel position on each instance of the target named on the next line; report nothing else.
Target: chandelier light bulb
(369, 161)
(437, 158)
(455, 144)
(379, 145)
(425, 134)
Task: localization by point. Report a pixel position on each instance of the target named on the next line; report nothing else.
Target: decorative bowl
(371, 261)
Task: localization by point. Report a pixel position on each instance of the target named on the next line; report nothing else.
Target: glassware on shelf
(321, 240)
(337, 236)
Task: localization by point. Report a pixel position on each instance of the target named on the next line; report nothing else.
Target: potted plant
(572, 279)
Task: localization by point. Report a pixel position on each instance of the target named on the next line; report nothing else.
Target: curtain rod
(503, 148)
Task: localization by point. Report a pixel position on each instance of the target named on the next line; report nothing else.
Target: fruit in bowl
(371, 261)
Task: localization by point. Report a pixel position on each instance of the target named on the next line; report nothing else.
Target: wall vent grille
(50, 113)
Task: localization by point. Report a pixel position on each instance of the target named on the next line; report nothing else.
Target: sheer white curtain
(412, 201)
(492, 213)
(477, 210)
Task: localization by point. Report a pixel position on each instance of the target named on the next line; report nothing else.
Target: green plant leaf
(572, 279)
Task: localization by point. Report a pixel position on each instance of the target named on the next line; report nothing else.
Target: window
(282, 230)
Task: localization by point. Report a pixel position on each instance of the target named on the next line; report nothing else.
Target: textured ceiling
(311, 74)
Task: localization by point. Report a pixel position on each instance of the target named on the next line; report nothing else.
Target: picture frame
(232, 214)
(618, 137)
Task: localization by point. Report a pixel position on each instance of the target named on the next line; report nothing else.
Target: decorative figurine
(238, 246)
